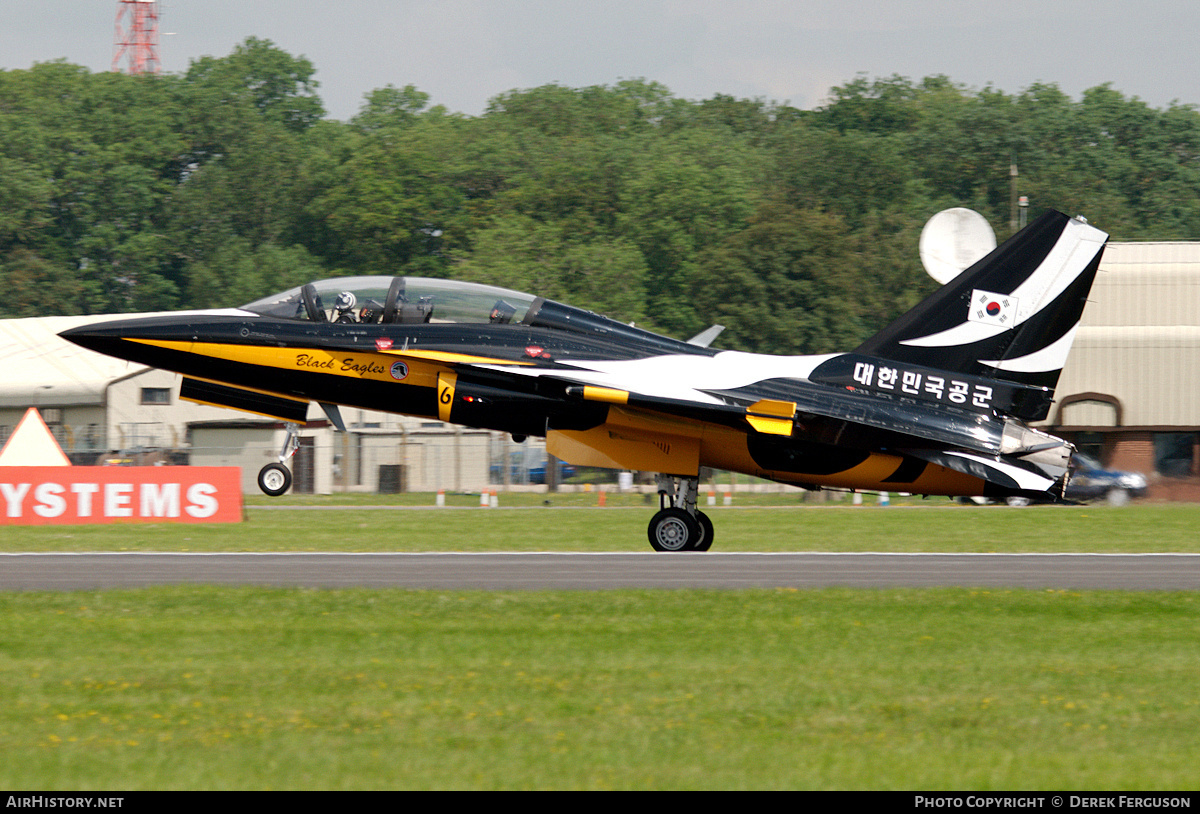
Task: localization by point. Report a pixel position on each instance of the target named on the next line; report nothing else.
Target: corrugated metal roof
(1146, 284)
(1140, 337)
(1153, 370)
(42, 369)
(1153, 252)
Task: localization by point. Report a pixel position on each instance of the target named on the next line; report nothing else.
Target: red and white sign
(46, 495)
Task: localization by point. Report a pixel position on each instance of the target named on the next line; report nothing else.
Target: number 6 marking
(446, 382)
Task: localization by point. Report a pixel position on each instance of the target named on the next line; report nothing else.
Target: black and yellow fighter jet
(937, 403)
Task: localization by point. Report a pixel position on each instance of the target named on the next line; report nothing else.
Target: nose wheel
(679, 525)
(274, 479)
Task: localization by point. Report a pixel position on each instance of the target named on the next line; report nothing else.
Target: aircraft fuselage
(416, 370)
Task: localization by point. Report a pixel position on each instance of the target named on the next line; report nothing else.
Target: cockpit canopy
(382, 300)
(397, 300)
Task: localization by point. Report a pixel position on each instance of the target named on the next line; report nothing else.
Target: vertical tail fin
(1012, 315)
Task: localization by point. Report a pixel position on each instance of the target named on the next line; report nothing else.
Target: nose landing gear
(679, 525)
(274, 479)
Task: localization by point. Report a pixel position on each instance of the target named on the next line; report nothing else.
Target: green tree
(257, 156)
(90, 158)
(238, 273)
(279, 87)
(788, 283)
(386, 212)
(389, 107)
(35, 287)
(686, 192)
(606, 275)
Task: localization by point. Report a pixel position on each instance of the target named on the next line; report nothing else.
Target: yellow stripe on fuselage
(421, 368)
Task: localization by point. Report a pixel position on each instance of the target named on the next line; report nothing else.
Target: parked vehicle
(1091, 481)
(519, 473)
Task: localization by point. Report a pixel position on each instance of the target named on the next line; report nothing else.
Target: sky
(464, 53)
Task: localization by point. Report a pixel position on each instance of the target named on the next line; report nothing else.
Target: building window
(1174, 454)
(156, 395)
(1091, 443)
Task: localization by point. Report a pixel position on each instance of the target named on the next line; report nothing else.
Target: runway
(600, 571)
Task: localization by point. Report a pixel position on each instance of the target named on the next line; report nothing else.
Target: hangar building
(1130, 391)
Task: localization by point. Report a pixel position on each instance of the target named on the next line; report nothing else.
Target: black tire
(274, 479)
(706, 532)
(674, 530)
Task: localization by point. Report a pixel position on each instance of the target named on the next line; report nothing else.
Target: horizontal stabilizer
(1008, 474)
(250, 401)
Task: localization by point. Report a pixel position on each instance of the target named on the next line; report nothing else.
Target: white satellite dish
(953, 240)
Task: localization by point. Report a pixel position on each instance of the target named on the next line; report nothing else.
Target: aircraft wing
(771, 394)
(773, 397)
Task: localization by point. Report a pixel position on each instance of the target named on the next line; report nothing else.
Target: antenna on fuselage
(706, 337)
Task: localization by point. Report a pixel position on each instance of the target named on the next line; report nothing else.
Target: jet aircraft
(937, 403)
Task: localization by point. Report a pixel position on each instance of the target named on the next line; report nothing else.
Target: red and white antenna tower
(139, 38)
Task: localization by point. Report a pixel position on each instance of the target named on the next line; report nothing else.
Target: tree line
(797, 229)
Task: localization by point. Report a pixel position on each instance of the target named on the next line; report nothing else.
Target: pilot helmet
(345, 301)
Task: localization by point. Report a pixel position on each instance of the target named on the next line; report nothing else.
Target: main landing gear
(679, 525)
(275, 479)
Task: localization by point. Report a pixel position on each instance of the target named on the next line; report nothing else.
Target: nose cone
(104, 337)
(108, 333)
(138, 338)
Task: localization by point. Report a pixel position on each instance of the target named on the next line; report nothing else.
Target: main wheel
(274, 479)
(706, 532)
(674, 530)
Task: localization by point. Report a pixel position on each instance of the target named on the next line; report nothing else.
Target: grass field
(223, 688)
(574, 523)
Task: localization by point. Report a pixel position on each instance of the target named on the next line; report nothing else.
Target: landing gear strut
(679, 525)
(275, 478)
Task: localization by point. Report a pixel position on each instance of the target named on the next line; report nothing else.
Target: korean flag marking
(990, 308)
